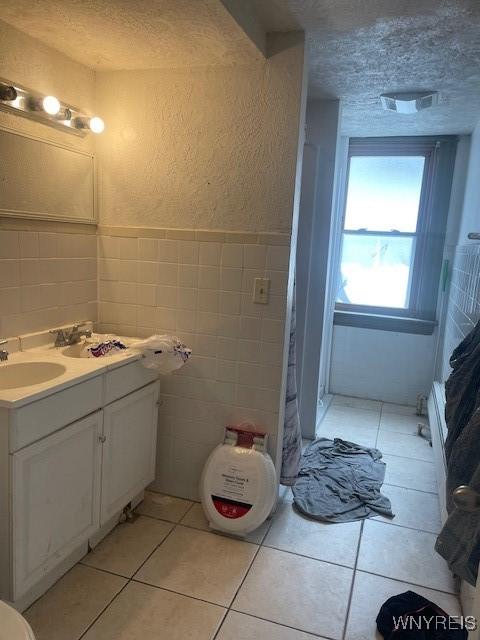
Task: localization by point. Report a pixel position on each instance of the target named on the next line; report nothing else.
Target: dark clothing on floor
(340, 481)
(409, 616)
(459, 540)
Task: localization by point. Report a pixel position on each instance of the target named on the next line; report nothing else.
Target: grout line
(350, 595)
(178, 593)
(103, 610)
(281, 624)
(409, 458)
(229, 608)
(302, 555)
(129, 580)
(401, 526)
(414, 584)
(400, 486)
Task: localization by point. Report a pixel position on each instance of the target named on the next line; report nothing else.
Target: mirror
(41, 179)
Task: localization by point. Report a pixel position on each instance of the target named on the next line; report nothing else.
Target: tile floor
(166, 576)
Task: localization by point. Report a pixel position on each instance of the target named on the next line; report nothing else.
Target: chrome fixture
(409, 102)
(70, 335)
(473, 235)
(3, 352)
(7, 92)
(465, 498)
(47, 109)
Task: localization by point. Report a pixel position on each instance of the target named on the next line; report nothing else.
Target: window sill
(384, 323)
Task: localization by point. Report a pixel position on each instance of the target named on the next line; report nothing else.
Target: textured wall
(137, 34)
(35, 65)
(211, 148)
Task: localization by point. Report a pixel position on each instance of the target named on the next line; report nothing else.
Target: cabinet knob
(102, 438)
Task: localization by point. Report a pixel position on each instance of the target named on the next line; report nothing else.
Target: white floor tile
(143, 613)
(412, 508)
(400, 409)
(399, 444)
(73, 603)
(403, 554)
(239, 626)
(299, 592)
(412, 474)
(364, 436)
(292, 532)
(357, 403)
(351, 416)
(401, 423)
(199, 564)
(370, 592)
(158, 505)
(128, 546)
(195, 518)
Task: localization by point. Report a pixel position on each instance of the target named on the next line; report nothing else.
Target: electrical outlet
(261, 290)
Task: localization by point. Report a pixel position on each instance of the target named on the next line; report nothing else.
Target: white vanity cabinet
(130, 435)
(55, 498)
(65, 478)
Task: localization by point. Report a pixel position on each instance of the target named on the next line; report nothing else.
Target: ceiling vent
(409, 102)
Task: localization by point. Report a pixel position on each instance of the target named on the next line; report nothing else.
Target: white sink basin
(26, 374)
(74, 350)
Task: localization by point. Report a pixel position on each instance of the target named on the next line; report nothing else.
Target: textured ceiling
(134, 34)
(359, 49)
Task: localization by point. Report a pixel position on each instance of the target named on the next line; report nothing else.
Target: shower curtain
(292, 436)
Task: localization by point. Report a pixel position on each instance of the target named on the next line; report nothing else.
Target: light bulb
(96, 124)
(51, 105)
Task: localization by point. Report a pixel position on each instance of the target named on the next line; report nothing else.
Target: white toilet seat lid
(13, 625)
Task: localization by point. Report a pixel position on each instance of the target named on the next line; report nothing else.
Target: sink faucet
(71, 335)
(3, 352)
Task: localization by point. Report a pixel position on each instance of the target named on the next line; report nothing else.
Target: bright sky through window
(383, 195)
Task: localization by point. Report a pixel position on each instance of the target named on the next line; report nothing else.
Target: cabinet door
(55, 499)
(130, 433)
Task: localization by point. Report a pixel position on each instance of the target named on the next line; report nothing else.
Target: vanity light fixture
(47, 109)
(7, 92)
(51, 105)
(95, 124)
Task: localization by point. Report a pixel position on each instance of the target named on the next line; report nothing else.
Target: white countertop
(76, 370)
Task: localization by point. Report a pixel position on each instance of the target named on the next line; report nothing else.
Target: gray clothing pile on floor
(459, 540)
(340, 481)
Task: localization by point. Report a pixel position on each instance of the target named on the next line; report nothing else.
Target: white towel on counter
(164, 353)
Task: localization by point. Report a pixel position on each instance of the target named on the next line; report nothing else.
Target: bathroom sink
(25, 374)
(74, 350)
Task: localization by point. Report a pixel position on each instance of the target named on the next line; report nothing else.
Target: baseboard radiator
(438, 429)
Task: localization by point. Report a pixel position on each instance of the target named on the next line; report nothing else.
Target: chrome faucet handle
(60, 339)
(3, 352)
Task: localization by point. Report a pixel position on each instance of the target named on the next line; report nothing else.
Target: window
(396, 204)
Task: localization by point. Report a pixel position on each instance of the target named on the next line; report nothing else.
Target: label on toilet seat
(235, 489)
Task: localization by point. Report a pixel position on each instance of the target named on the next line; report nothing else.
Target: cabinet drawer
(40, 418)
(123, 380)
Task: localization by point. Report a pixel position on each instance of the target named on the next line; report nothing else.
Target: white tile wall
(46, 279)
(200, 290)
(381, 365)
(463, 310)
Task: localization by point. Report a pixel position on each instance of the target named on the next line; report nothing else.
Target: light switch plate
(261, 290)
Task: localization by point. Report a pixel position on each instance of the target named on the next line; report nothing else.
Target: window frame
(420, 315)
